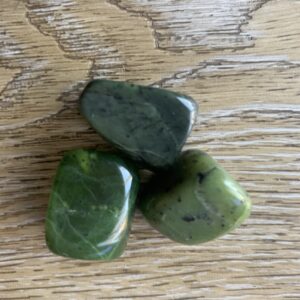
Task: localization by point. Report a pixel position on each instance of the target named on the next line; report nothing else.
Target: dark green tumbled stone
(91, 206)
(195, 201)
(151, 125)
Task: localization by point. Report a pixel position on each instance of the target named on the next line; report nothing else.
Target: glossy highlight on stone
(151, 125)
(91, 206)
(195, 201)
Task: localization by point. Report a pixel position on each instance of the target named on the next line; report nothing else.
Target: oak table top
(240, 60)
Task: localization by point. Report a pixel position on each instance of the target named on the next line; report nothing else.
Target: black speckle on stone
(191, 237)
(238, 201)
(168, 148)
(168, 188)
(200, 177)
(179, 181)
(188, 218)
(179, 200)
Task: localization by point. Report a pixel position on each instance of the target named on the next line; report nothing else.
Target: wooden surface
(240, 59)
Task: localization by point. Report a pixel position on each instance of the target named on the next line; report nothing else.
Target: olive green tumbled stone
(151, 125)
(91, 206)
(195, 201)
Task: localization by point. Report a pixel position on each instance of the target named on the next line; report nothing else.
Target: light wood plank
(239, 59)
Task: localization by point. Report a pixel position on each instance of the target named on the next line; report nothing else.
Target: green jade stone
(91, 206)
(196, 201)
(149, 124)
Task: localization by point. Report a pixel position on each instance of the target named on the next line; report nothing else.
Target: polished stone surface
(196, 201)
(91, 206)
(151, 125)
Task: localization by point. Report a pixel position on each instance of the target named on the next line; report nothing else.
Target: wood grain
(239, 59)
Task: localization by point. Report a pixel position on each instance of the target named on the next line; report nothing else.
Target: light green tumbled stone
(91, 206)
(195, 201)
